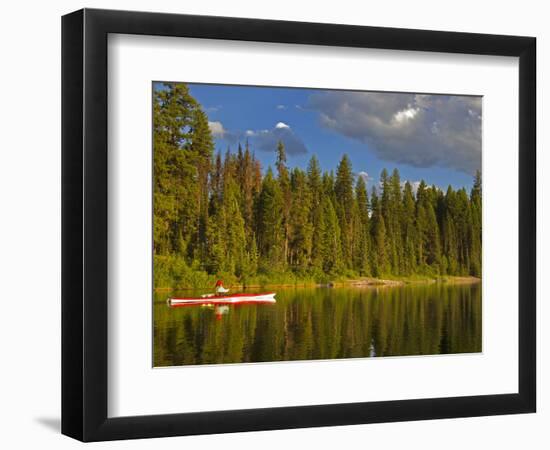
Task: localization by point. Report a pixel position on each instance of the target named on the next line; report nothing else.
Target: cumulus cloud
(366, 177)
(267, 140)
(419, 130)
(220, 132)
(414, 185)
(216, 128)
(264, 140)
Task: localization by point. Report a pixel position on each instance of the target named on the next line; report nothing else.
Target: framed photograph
(273, 225)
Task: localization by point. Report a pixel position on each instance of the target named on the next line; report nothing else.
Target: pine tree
(314, 181)
(464, 222)
(250, 267)
(380, 260)
(301, 229)
(432, 243)
(394, 223)
(429, 249)
(421, 222)
(476, 213)
(216, 181)
(363, 248)
(343, 190)
(408, 230)
(269, 222)
(202, 145)
(234, 230)
(448, 233)
(284, 186)
(175, 205)
(215, 233)
(332, 257)
(315, 186)
(247, 188)
(216, 238)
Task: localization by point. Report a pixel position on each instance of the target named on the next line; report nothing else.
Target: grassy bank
(412, 279)
(173, 274)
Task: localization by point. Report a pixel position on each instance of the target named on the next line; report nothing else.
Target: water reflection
(220, 311)
(322, 323)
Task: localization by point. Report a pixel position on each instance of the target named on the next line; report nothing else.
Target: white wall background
(30, 222)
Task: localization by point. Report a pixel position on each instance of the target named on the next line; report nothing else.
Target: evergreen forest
(224, 216)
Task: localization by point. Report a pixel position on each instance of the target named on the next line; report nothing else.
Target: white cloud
(263, 140)
(366, 177)
(267, 140)
(418, 130)
(281, 107)
(405, 114)
(216, 128)
(414, 185)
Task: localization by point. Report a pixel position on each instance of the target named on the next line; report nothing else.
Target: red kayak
(233, 299)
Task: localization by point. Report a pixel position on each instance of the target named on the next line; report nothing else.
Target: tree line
(220, 215)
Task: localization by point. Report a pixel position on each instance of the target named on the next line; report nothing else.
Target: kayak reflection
(221, 303)
(228, 299)
(220, 311)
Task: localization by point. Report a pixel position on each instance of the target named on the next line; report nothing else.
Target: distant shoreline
(363, 282)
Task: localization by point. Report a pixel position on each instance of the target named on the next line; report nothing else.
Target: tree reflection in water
(323, 323)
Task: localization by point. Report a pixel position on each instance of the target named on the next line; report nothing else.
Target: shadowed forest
(225, 216)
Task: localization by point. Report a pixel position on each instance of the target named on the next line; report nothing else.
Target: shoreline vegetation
(226, 217)
(363, 282)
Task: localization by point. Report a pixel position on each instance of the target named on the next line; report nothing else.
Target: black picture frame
(84, 224)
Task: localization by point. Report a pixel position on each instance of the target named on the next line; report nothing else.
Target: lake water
(322, 323)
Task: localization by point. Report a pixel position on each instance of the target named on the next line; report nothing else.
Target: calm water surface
(322, 323)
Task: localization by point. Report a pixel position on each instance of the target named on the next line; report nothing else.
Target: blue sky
(432, 137)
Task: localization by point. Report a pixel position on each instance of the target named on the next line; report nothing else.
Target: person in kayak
(220, 290)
